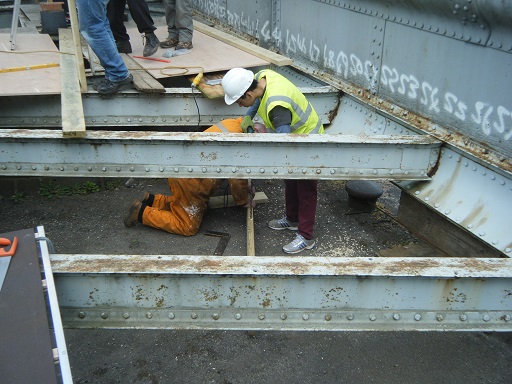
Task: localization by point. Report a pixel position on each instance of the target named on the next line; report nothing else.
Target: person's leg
(172, 32)
(307, 191)
(291, 200)
(179, 223)
(141, 16)
(183, 21)
(92, 15)
(115, 15)
(170, 19)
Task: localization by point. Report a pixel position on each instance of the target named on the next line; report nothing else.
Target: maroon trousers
(301, 198)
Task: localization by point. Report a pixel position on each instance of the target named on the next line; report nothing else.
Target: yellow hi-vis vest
(280, 91)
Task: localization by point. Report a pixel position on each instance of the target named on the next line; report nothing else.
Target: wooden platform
(208, 55)
(31, 50)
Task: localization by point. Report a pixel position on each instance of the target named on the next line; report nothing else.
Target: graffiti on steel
(490, 119)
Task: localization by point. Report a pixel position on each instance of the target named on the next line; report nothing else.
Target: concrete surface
(92, 223)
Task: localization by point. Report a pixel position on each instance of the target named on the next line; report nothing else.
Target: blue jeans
(95, 28)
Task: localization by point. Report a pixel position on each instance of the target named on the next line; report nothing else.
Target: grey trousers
(178, 16)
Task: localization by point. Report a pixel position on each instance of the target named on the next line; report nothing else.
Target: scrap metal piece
(223, 242)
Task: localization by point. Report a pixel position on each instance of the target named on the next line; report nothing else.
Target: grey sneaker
(107, 87)
(169, 43)
(299, 244)
(283, 224)
(151, 44)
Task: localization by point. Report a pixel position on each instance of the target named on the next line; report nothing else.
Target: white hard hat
(235, 83)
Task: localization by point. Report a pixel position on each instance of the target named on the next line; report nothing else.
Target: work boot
(299, 244)
(151, 44)
(283, 223)
(107, 87)
(170, 42)
(98, 83)
(133, 214)
(183, 45)
(124, 46)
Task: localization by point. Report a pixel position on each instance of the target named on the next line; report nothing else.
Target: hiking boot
(299, 244)
(151, 44)
(169, 43)
(283, 224)
(182, 45)
(107, 87)
(133, 214)
(124, 46)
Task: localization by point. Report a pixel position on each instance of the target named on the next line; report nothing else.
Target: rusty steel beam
(283, 293)
(270, 156)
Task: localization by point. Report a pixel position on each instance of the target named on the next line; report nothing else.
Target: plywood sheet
(31, 49)
(208, 55)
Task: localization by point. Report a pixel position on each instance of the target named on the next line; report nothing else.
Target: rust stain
(209, 156)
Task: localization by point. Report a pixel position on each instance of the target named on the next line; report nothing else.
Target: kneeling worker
(182, 212)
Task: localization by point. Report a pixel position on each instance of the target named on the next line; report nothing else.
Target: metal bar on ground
(14, 24)
(65, 367)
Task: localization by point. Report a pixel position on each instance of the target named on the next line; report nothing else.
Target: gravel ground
(92, 223)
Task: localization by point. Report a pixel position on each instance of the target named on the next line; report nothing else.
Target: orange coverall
(182, 212)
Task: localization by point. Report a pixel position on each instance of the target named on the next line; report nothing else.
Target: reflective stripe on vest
(303, 115)
(281, 91)
(222, 127)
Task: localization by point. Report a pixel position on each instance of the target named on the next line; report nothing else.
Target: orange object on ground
(12, 250)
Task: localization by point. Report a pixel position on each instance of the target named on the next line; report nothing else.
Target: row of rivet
(233, 170)
(114, 120)
(436, 29)
(447, 212)
(305, 316)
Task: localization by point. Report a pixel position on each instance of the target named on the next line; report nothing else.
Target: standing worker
(283, 109)
(140, 14)
(94, 25)
(182, 212)
(180, 26)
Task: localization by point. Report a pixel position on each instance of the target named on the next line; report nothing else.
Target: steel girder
(283, 293)
(217, 155)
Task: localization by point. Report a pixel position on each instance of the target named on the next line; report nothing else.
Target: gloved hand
(247, 124)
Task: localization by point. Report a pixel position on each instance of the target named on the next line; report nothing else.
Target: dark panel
(25, 346)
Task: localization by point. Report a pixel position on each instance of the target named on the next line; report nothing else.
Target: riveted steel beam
(217, 155)
(284, 293)
(470, 194)
(176, 107)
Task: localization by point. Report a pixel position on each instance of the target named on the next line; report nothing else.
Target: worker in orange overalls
(182, 212)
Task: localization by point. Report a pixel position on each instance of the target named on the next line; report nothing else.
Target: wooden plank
(220, 201)
(251, 248)
(142, 80)
(73, 18)
(73, 122)
(31, 50)
(208, 55)
(234, 41)
(439, 232)
(210, 91)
